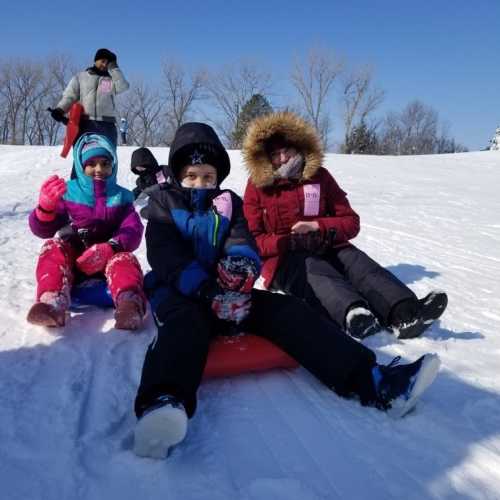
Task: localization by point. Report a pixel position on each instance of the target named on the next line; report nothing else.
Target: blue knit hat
(92, 150)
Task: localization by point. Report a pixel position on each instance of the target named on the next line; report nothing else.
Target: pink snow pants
(54, 271)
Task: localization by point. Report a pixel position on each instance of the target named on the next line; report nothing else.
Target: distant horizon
(445, 59)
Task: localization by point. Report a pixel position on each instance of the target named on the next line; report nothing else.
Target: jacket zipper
(95, 100)
(216, 228)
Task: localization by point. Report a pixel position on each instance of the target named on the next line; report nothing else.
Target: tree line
(324, 89)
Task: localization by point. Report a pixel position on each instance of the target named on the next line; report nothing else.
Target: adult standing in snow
(123, 130)
(302, 222)
(95, 88)
(205, 261)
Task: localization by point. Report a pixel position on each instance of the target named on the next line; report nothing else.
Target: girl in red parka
(302, 222)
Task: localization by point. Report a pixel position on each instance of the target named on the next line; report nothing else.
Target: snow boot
(50, 311)
(410, 319)
(161, 426)
(398, 387)
(129, 311)
(360, 322)
(432, 306)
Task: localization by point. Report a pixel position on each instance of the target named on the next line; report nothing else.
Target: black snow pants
(343, 278)
(175, 360)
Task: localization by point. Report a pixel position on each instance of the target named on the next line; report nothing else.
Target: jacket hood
(143, 157)
(202, 138)
(85, 182)
(294, 130)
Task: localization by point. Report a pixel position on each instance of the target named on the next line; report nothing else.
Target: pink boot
(50, 311)
(129, 311)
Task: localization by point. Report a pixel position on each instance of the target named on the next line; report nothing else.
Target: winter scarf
(292, 169)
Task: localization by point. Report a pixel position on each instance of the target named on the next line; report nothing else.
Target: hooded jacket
(97, 210)
(189, 230)
(152, 173)
(96, 92)
(272, 206)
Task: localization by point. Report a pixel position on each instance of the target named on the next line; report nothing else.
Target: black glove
(309, 242)
(111, 57)
(57, 114)
(312, 242)
(329, 239)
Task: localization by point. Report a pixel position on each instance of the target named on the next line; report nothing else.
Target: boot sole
(41, 315)
(158, 431)
(426, 375)
(433, 306)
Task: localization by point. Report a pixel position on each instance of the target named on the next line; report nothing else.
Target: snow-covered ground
(66, 397)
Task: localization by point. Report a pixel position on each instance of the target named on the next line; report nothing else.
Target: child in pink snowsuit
(96, 229)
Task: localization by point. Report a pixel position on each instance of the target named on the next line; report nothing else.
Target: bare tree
(22, 84)
(61, 68)
(143, 109)
(414, 131)
(181, 90)
(313, 78)
(230, 89)
(420, 128)
(360, 98)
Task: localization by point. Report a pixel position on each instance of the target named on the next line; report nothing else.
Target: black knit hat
(197, 154)
(143, 157)
(104, 54)
(195, 144)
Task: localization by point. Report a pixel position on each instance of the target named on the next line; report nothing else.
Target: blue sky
(444, 53)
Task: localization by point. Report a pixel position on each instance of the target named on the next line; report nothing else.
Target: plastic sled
(244, 353)
(72, 128)
(91, 292)
(228, 354)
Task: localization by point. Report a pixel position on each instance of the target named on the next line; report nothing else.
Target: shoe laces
(395, 362)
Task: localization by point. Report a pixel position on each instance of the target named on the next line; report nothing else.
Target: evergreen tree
(495, 142)
(256, 106)
(361, 140)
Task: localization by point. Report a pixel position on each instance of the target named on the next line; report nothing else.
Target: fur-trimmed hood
(294, 130)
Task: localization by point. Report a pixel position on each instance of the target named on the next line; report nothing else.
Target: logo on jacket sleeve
(224, 205)
(312, 194)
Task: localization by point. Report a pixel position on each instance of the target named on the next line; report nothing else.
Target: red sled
(72, 128)
(230, 356)
(227, 356)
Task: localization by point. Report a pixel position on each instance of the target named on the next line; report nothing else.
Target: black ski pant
(345, 277)
(175, 360)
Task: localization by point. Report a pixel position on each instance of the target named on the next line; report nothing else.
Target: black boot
(360, 322)
(410, 318)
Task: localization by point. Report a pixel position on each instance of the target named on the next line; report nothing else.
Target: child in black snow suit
(205, 260)
(144, 165)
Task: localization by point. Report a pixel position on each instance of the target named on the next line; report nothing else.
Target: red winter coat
(272, 206)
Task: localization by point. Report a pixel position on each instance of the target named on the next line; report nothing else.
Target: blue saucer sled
(93, 292)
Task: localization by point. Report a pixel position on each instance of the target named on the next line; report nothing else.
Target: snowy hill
(66, 398)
